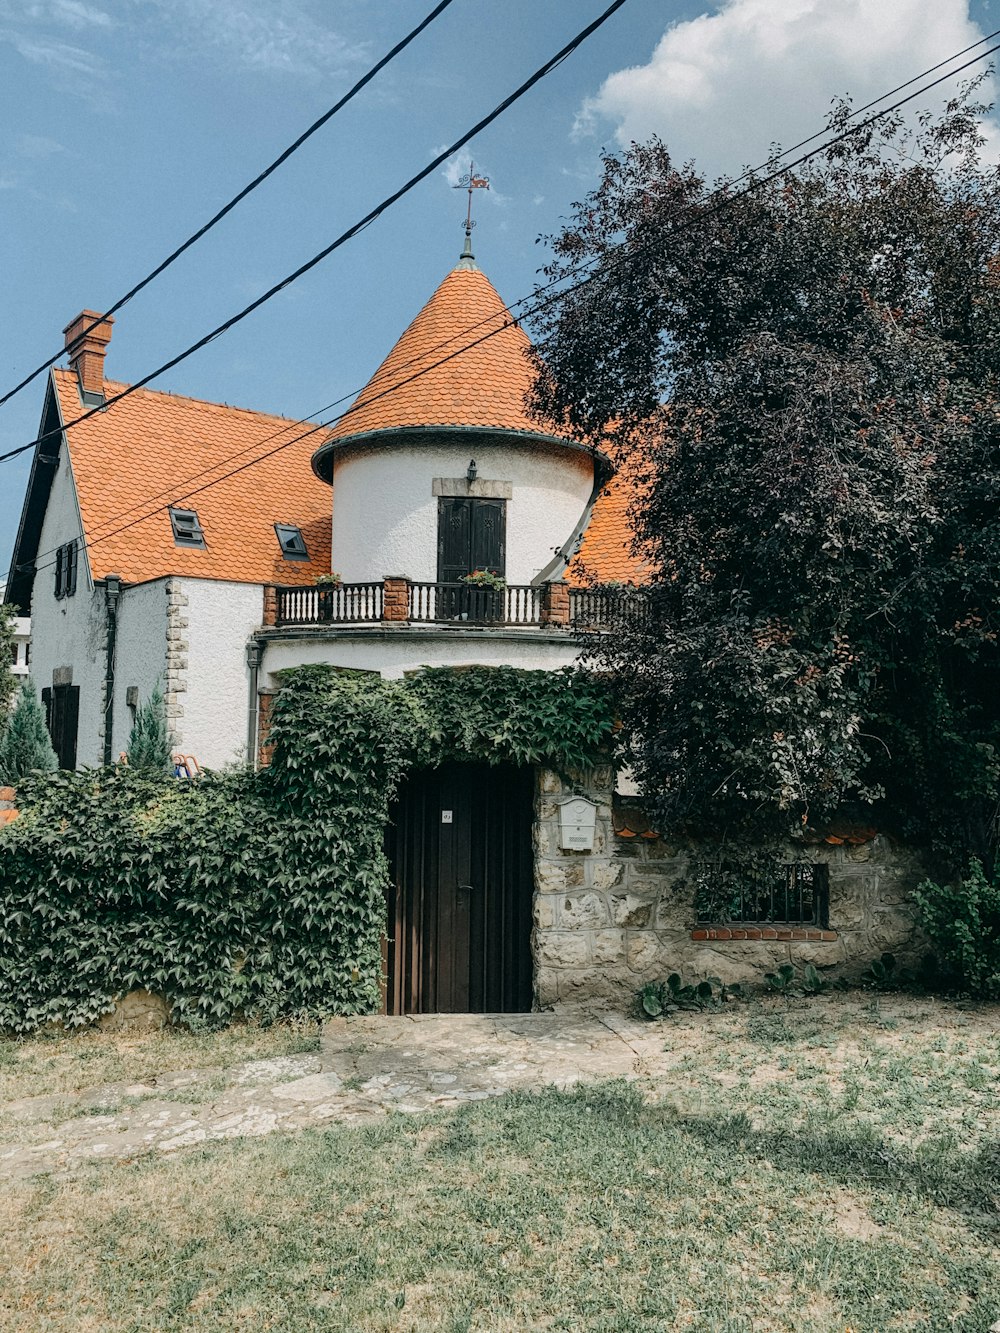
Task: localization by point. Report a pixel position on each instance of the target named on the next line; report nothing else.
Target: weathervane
(471, 182)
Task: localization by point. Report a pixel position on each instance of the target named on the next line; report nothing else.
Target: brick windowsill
(782, 933)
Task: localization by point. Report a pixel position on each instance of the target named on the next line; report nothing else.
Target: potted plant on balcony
(327, 584)
(483, 595)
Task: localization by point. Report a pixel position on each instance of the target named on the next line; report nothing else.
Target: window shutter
(454, 540)
(71, 557)
(488, 535)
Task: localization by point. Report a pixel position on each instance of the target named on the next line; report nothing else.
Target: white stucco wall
(215, 696)
(140, 654)
(393, 652)
(69, 632)
(385, 515)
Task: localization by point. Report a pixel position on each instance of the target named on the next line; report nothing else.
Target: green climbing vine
(257, 894)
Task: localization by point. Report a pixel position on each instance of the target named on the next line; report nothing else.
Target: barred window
(796, 894)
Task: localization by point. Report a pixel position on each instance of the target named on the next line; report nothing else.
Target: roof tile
(470, 361)
(154, 448)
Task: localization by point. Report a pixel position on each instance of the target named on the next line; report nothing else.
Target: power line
(345, 236)
(725, 201)
(750, 173)
(247, 189)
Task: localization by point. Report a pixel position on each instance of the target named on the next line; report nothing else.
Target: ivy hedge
(256, 893)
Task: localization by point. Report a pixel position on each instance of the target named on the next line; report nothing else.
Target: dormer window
(66, 557)
(187, 530)
(292, 543)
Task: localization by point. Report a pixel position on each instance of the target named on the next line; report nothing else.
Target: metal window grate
(791, 895)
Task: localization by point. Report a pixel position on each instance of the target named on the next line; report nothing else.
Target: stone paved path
(365, 1068)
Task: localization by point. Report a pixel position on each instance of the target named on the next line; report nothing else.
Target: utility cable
(344, 237)
(247, 189)
(748, 174)
(725, 201)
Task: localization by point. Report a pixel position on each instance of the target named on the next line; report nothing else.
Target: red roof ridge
(117, 386)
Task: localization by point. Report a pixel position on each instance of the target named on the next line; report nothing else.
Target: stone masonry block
(545, 910)
(642, 950)
(583, 911)
(557, 876)
(608, 947)
(606, 874)
(563, 948)
(546, 987)
(628, 909)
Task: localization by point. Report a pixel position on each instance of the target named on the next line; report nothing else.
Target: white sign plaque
(446, 817)
(577, 821)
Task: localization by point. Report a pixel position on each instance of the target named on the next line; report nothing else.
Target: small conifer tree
(25, 745)
(149, 745)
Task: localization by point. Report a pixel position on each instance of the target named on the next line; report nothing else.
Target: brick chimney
(86, 349)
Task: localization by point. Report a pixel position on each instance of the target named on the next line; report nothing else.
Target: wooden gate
(459, 928)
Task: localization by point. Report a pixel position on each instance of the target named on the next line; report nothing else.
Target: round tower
(437, 470)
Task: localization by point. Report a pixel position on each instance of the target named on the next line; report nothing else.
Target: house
(21, 650)
(208, 548)
(179, 542)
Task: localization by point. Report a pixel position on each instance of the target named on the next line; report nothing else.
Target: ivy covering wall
(257, 894)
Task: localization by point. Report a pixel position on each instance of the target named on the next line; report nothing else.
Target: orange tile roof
(604, 553)
(482, 386)
(153, 448)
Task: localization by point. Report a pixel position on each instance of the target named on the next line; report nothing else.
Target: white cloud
(58, 56)
(68, 13)
(457, 168)
(270, 36)
(36, 29)
(38, 146)
(77, 15)
(723, 87)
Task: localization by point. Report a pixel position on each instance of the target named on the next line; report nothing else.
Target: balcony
(401, 602)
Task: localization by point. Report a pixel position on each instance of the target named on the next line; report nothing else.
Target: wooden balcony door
(459, 925)
(471, 535)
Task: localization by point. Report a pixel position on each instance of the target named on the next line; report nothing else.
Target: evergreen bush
(148, 744)
(25, 745)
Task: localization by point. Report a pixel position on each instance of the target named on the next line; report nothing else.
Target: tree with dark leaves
(801, 377)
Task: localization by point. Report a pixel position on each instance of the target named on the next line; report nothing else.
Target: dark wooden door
(471, 535)
(459, 928)
(62, 717)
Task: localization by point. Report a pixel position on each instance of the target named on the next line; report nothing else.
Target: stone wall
(608, 921)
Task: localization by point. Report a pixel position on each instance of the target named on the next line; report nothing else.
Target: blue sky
(127, 122)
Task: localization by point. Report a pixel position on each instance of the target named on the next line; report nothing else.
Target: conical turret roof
(461, 363)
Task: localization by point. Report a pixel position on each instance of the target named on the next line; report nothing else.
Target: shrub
(963, 923)
(148, 745)
(25, 746)
(257, 894)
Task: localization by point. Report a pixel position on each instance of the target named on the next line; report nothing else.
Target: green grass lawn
(801, 1169)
